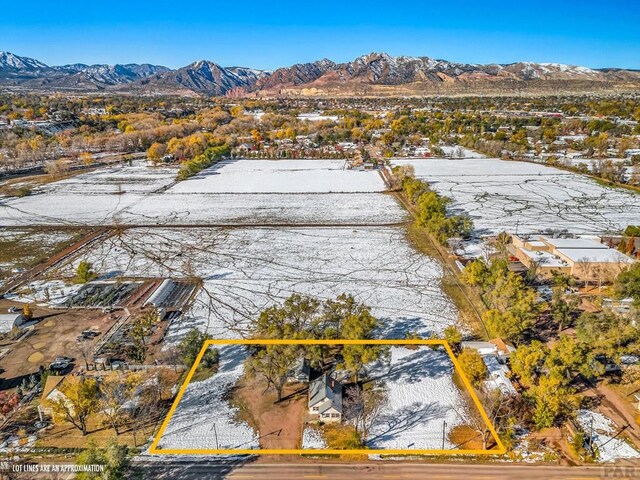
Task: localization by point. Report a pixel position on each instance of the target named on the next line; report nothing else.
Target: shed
(299, 373)
(9, 321)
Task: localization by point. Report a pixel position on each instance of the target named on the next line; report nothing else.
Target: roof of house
(543, 258)
(53, 382)
(495, 346)
(483, 348)
(498, 375)
(327, 391)
(569, 243)
(503, 347)
(595, 255)
(301, 366)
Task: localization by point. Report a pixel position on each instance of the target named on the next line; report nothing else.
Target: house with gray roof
(325, 399)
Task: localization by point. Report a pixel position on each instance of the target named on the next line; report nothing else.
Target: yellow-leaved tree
(78, 400)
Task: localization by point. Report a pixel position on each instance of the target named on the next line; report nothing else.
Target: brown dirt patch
(54, 335)
(279, 424)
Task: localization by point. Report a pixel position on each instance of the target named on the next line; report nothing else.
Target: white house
(325, 399)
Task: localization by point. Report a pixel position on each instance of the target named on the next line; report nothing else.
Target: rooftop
(543, 258)
(579, 243)
(595, 255)
(325, 389)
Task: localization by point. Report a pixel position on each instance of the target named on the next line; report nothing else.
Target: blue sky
(265, 34)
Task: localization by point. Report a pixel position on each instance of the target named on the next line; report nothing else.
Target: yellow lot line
(153, 449)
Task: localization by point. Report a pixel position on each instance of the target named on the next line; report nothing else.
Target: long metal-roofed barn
(171, 295)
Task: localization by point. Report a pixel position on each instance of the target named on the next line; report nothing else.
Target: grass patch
(202, 373)
(344, 437)
(466, 437)
(27, 247)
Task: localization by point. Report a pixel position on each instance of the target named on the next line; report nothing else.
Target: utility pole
(215, 433)
(444, 430)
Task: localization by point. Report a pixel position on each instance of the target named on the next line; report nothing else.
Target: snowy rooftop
(577, 243)
(595, 255)
(543, 258)
(498, 375)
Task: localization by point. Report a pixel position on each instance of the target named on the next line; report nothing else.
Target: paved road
(197, 469)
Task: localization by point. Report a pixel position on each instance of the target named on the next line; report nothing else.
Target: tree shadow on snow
(389, 426)
(398, 328)
(422, 364)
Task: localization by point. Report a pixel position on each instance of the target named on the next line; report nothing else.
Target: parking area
(54, 333)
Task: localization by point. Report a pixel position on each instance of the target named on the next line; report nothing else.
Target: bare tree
(363, 407)
(86, 348)
(586, 267)
(56, 168)
(498, 407)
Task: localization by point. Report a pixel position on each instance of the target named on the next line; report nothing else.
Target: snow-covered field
(235, 192)
(252, 209)
(421, 396)
(609, 448)
(136, 178)
(204, 419)
(505, 195)
(248, 269)
(281, 176)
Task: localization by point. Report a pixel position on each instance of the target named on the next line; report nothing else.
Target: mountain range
(374, 74)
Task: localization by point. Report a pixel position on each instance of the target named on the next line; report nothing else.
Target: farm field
(22, 248)
(528, 198)
(281, 176)
(233, 192)
(137, 178)
(245, 270)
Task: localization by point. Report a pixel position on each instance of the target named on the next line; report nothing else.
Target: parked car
(63, 359)
(59, 365)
